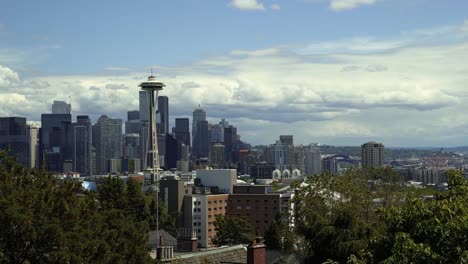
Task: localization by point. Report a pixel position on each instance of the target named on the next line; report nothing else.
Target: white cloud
(247, 5)
(397, 91)
(339, 5)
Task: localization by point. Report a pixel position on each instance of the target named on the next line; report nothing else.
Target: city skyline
(315, 69)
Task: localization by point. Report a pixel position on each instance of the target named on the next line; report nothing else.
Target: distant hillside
(389, 153)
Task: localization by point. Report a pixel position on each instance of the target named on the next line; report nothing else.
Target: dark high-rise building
(182, 130)
(162, 115)
(201, 140)
(55, 141)
(144, 110)
(199, 134)
(82, 145)
(133, 115)
(372, 154)
(168, 149)
(230, 138)
(14, 138)
(107, 139)
(287, 139)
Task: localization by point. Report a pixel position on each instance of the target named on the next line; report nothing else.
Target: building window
(247, 207)
(239, 207)
(194, 224)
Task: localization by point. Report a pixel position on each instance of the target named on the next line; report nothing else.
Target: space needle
(152, 88)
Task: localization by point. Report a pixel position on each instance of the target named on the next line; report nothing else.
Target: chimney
(187, 240)
(256, 252)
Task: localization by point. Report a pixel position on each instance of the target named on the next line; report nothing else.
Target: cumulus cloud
(247, 4)
(334, 97)
(339, 5)
(7, 77)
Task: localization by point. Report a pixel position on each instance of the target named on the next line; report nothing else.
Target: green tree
(232, 230)
(427, 231)
(336, 215)
(278, 236)
(43, 220)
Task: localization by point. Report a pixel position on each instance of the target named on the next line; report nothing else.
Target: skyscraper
(287, 139)
(230, 138)
(55, 141)
(14, 138)
(33, 132)
(162, 115)
(201, 143)
(372, 154)
(217, 155)
(162, 112)
(133, 115)
(107, 139)
(312, 160)
(199, 133)
(182, 130)
(144, 111)
(217, 133)
(131, 148)
(61, 107)
(82, 145)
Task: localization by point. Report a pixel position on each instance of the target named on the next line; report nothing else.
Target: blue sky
(328, 71)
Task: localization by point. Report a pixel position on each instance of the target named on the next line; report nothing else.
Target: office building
(224, 179)
(168, 148)
(82, 145)
(199, 134)
(230, 139)
(61, 107)
(280, 156)
(33, 132)
(312, 160)
(372, 154)
(287, 139)
(131, 146)
(56, 142)
(133, 115)
(217, 155)
(15, 139)
(217, 133)
(259, 205)
(200, 211)
(262, 170)
(182, 130)
(201, 140)
(144, 110)
(162, 115)
(107, 139)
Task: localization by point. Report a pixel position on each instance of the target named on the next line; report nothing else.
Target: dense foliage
(368, 216)
(43, 220)
(233, 230)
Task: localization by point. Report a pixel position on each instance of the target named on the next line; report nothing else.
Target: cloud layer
(346, 92)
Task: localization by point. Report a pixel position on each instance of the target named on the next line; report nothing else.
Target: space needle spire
(152, 88)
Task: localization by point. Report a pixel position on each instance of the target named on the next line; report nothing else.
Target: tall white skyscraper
(312, 160)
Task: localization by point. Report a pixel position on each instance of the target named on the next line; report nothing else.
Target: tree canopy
(368, 216)
(44, 220)
(233, 230)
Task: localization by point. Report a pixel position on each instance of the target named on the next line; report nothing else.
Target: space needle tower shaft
(152, 88)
